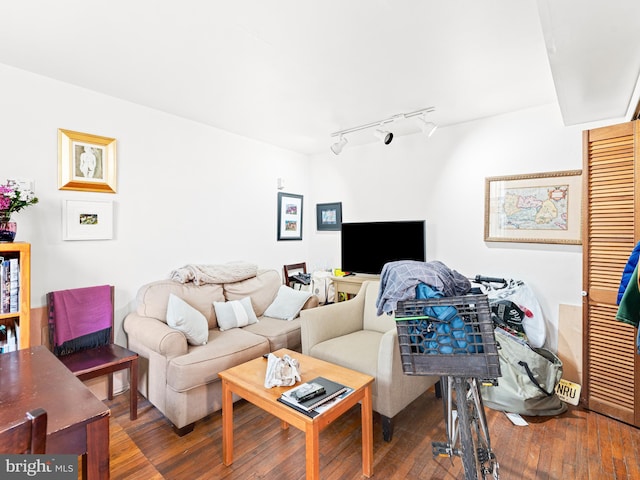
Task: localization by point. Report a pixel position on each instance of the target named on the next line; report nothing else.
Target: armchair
(352, 335)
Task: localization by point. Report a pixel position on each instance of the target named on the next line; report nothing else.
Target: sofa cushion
(234, 313)
(188, 320)
(357, 351)
(153, 298)
(287, 304)
(280, 334)
(223, 350)
(262, 289)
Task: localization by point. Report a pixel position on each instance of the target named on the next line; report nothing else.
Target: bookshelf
(21, 251)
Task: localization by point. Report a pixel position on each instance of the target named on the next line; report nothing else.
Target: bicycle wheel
(478, 459)
(465, 430)
(487, 462)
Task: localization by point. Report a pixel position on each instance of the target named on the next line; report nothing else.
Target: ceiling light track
(381, 133)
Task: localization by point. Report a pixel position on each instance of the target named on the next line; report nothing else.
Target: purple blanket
(80, 311)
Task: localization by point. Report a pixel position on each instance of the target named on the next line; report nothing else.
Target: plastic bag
(516, 304)
(281, 372)
(322, 287)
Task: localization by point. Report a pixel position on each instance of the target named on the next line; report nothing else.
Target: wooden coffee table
(247, 381)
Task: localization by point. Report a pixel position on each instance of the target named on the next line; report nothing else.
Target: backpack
(528, 381)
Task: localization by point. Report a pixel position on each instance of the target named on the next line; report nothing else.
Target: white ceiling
(291, 72)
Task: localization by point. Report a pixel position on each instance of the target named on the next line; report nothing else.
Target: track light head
(337, 147)
(384, 136)
(428, 128)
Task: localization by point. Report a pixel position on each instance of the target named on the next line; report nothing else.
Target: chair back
(371, 319)
(80, 318)
(293, 269)
(28, 435)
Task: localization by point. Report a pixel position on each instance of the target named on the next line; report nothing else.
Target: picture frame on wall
(86, 162)
(87, 220)
(289, 216)
(329, 216)
(534, 208)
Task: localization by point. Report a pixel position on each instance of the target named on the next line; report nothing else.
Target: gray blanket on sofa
(226, 273)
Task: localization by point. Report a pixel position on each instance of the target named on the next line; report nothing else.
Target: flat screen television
(367, 246)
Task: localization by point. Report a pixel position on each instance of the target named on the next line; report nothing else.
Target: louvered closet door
(610, 231)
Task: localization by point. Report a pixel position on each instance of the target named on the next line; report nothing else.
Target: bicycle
(466, 429)
(453, 337)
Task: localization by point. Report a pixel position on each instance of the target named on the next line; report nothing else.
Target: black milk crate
(463, 344)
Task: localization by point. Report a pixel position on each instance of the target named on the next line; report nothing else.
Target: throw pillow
(188, 320)
(235, 313)
(287, 304)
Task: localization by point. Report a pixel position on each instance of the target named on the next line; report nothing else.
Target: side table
(350, 285)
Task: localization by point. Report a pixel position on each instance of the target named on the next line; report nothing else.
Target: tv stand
(350, 285)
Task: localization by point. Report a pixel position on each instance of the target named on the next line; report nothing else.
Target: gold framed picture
(86, 162)
(534, 208)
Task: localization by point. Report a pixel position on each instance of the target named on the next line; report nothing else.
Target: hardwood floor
(576, 445)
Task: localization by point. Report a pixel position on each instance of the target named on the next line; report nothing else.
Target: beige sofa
(351, 334)
(181, 379)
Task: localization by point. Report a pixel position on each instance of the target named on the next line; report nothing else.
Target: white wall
(442, 180)
(186, 193)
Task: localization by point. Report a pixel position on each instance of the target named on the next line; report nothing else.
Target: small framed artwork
(289, 216)
(86, 162)
(87, 220)
(329, 216)
(534, 208)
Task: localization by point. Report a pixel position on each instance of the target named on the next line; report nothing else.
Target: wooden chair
(102, 357)
(29, 435)
(293, 269)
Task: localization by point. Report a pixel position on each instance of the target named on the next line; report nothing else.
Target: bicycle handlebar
(483, 279)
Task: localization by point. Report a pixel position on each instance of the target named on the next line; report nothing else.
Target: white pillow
(235, 313)
(287, 304)
(183, 317)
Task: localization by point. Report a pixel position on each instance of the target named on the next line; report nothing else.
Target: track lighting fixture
(427, 127)
(337, 147)
(384, 135)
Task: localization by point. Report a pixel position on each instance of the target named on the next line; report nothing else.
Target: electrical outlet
(25, 184)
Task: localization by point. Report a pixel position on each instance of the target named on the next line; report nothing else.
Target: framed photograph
(329, 216)
(534, 208)
(289, 216)
(87, 220)
(86, 162)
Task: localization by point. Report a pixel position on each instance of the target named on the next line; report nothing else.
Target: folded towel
(227, 273)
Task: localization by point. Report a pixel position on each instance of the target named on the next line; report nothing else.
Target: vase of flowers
(14, 196)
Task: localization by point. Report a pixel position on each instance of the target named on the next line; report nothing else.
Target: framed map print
(534, 208)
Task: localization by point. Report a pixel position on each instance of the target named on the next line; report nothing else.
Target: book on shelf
(332, 392)
(9, 285)
(9, 338)
(5, 286)
(14, 285)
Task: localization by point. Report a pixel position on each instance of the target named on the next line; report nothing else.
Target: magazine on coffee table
(314, 394)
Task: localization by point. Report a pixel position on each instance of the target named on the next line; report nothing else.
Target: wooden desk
(351, 285)
(247, 381)
(78, 423)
